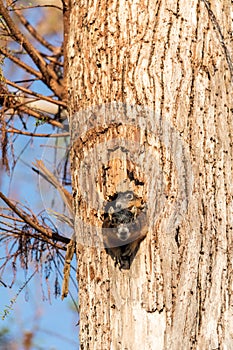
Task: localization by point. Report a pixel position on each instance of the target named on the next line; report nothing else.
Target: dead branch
(66, 272)
(37, 115)
(51, 178)
(33, 222)
(49, 76)
(35, 6)
(20, 63)
(35, 34)
(30, 92)
(25, 133)
(10, 217)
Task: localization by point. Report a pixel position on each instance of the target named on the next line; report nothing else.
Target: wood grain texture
(151, 109)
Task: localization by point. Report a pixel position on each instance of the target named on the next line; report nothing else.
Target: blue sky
(53, 323)
(51, 319)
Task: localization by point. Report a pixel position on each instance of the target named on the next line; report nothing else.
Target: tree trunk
(151, 112)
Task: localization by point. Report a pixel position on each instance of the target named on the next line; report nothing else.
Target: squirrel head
(123, 200)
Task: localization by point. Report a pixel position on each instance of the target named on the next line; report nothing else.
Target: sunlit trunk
(151, 113)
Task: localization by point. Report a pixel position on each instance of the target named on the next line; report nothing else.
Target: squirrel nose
(123, 233)
(118, 205)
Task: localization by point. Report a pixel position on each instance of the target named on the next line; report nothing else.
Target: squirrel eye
(129, 195)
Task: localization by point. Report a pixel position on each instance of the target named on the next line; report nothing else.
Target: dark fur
(129, 217)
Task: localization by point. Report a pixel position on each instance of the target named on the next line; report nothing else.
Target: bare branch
(30, 92)
(47, 232)
(19, 233)
(38, 115)
(35, 6)
(25, 133)
(49, 76)
(21, 39)
(66, 272)
(52, 59)
(51, 178)
(20, 63)
(36, 35)
(10, 217)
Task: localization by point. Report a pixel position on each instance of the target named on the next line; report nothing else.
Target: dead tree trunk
(151, 113)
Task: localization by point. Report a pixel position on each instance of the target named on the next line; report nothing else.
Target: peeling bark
(151, 110)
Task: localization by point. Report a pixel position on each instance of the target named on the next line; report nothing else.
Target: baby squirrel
(124, 226)
(124, 200)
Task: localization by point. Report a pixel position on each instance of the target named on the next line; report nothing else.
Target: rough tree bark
(151, 110)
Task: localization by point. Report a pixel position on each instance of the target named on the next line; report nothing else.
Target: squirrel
(124, 226)
(124, 220)
(124, 200)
